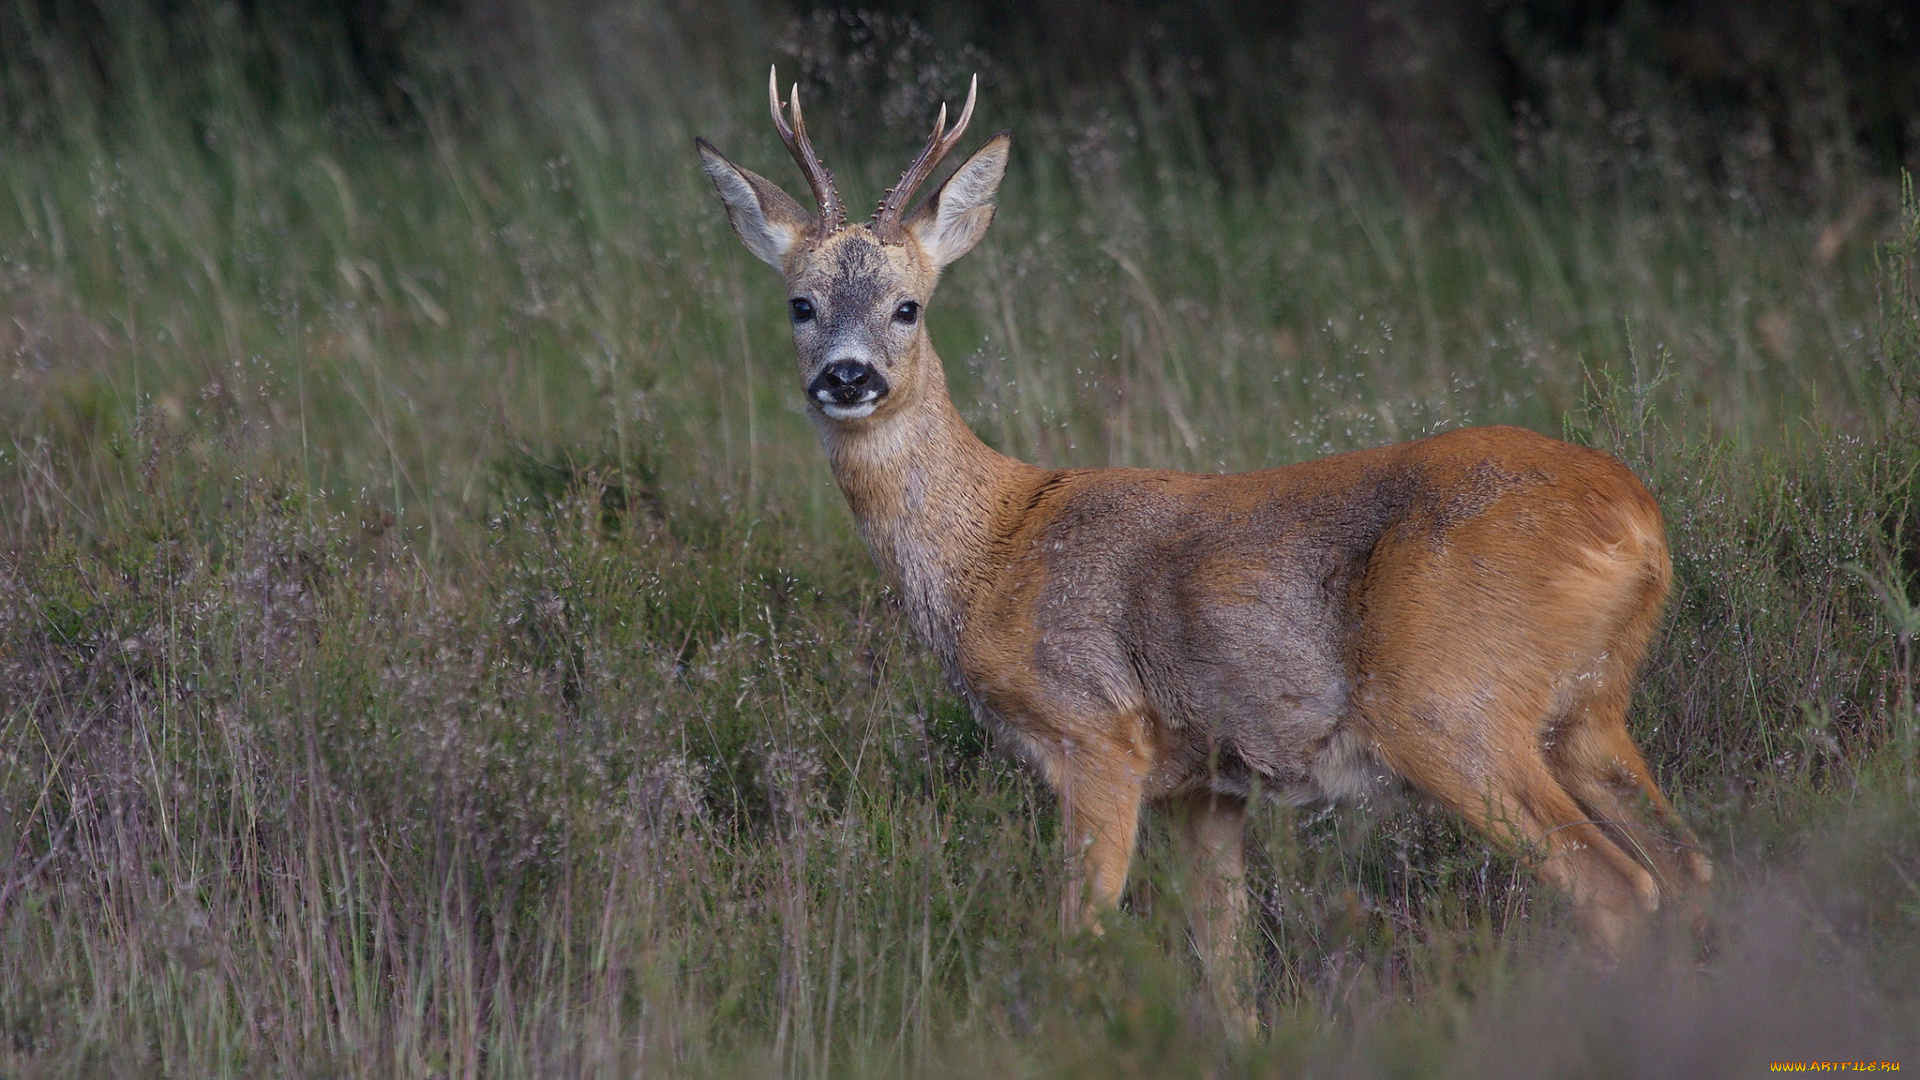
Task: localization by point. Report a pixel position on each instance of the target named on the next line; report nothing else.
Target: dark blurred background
(1774, 99)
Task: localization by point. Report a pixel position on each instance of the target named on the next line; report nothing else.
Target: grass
(430, 644)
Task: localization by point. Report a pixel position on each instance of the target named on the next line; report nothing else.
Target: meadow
(431, 644)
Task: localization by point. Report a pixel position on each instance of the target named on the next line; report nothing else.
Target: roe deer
(1464, 612)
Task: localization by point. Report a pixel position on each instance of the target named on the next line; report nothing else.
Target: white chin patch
(857, 411)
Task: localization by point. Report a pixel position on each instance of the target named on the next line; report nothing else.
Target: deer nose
(847, 382)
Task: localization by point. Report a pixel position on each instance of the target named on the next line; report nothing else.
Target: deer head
(857, 294)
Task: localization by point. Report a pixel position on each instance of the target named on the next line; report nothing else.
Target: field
(431, 644)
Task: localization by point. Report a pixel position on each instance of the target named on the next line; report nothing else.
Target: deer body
(1464, 613)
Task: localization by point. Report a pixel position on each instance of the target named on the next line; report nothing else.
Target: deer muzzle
(848, 389)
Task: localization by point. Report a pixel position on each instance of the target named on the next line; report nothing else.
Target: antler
(938, 146)
(833, 213)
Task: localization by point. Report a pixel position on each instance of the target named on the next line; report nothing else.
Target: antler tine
(833, 213)
(773, 102)
(939, 145)
(966, 111)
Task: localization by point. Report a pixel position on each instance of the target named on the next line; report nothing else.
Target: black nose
(847, 382)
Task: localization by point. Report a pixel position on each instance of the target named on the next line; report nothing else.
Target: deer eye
(801, 309)
(906, 313)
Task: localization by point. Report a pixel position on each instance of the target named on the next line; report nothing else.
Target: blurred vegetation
(430, 644)
(1772, 97)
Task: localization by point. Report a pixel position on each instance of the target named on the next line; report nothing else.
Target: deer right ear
(954, 218)
(766, 218)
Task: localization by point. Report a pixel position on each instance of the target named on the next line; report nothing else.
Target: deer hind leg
(1521, 805)
(1464, 678)
(1209, 834)
(1595, 759)
(1482, 761)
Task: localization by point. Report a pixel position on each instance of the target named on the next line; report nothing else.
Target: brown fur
(1465, 612)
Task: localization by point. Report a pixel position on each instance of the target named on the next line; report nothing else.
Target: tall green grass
(430, 644)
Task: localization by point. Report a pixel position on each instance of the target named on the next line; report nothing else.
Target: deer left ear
(765, 218)
(950, 221)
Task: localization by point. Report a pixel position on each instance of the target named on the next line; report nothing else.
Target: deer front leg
(1100, 783)
(1209, 833)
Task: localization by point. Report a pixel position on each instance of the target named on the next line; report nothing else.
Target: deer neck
(931, 500)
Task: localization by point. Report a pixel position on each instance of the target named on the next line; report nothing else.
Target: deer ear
(766, 218)
(953, 219)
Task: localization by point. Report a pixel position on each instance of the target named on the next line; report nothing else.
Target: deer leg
(1595, 759)
(1514, 798)
(1523, 805)
(1209, 833)
(1100, 784)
